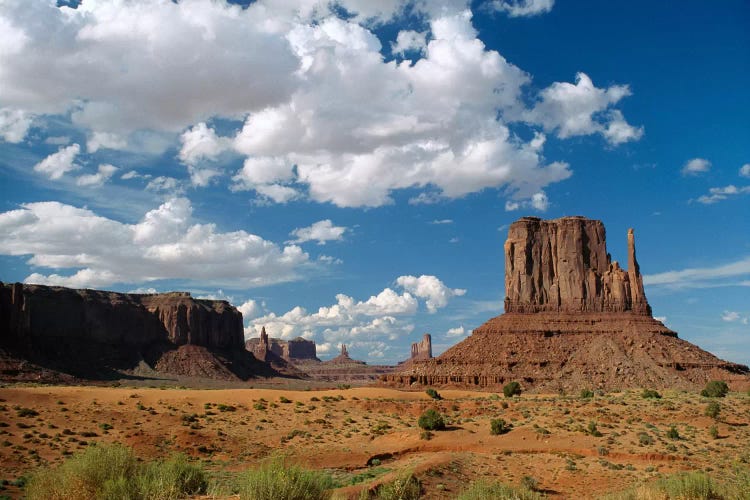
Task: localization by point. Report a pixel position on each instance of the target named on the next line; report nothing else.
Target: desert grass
(113, 472)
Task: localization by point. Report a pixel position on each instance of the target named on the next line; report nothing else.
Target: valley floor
(572, 447)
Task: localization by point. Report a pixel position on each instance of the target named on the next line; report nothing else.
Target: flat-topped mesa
(562, 265)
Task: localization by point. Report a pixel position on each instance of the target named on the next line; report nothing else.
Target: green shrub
(530, 483)
(431, 420)
(715, 389)
(171, 478)
(100, 470)
(405, 487)
(482, 490)
(113, 472)
(645, 439)
(713, 431)
(650, 394)
(672, 433)
(275, 479)
(511, 389)
(593, 430)
(713, 409)
(433, 394)
(499, 426)
(587, 394)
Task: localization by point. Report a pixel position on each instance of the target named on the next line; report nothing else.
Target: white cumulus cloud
(430, 288)
(321, 231)
(102, 175)
(745, 170)
(696, 166)
(57, 164)
(14, 123)
(165, 244)
(579, 109)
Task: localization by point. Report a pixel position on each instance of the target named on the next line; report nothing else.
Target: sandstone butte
(55, 333)
(573, 319)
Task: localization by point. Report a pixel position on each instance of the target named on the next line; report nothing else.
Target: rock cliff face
(292, 350)
(422, 349)
(562, 265)
(88, 332)
(574, 319)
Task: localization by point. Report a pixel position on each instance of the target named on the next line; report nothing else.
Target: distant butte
(574, 319)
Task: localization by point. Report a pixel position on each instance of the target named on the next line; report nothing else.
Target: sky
(347, 171)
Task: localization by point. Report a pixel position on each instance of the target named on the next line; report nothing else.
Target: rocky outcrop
(90, 333)
(422, 349)
(574, 319)
(294, 350)
(562, 265)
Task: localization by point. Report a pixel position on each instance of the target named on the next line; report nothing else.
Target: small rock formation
(563, 266)
(293, 350)
(93, 334)
(422, 349)
(573, 319)
(343, 358)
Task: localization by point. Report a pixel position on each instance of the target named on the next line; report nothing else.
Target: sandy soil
(343, 431)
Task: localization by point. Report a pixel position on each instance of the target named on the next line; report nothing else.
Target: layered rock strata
(563, 266)
(574, 319)
(294, 350)
(89, 333)
(423, 349)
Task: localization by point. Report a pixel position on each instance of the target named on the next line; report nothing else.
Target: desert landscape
(564, 446)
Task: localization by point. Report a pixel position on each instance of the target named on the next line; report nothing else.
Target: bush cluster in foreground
(113, 472)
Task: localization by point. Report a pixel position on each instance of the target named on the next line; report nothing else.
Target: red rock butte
(573, 319)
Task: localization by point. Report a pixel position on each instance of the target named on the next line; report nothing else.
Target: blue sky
(347, 172)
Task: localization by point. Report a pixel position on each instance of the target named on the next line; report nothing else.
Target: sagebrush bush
(483, 490)
(511, 389)
(650, 394)
(715, 389)
(587, 394)
(713, 409)
(404, 487)
(431, 420)
(499, 426)
(276, 479)
(113, 472)
(433, 394)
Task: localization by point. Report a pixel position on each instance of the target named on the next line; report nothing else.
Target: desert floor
(344, 430)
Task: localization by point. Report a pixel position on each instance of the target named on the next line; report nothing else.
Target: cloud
(249, 309)
(696, 166)
(200, 143)
(102, 55)
(164, 244)
(459, 331)
(409, 40)
(57, 164)
(730, 316)
(701, 277)
(103, 174)
(164, 184)
(717, 194)
(105, 140)
(523, 8)
(583, 109)
(321, 231)
(430, 288)
(14, 123)
(326, 116)
(745, 170)
(538, 201)
(431, 124)
(368, 325)
(442, 221)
